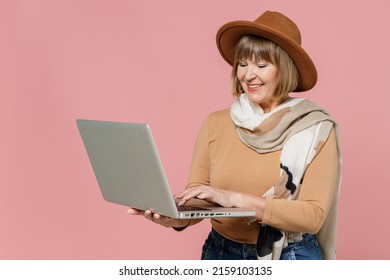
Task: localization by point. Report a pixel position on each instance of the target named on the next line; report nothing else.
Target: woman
(271, 153)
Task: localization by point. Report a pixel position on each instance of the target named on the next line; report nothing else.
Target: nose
(250, 73)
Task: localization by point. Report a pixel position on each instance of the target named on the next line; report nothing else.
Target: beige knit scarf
(299, 128)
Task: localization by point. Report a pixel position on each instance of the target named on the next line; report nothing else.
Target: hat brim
(230, 33)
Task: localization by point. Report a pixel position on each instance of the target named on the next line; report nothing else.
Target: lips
(253, 87)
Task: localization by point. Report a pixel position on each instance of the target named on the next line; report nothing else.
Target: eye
(262, 65)
(242, 63)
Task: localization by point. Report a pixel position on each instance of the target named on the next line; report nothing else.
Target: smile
(254, 87)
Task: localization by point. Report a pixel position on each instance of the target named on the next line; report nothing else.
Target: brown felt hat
(278, 28)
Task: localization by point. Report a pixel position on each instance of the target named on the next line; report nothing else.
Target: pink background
(156, 61)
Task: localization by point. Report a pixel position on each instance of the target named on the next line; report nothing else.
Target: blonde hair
(259, 48)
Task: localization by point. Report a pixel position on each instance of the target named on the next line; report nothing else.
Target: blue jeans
(217, 247)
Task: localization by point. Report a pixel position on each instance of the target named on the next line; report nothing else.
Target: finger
(132, 211)
(204, 196)
(180, 195)
(158, 219)
(148, 215)
(193, 193)
(184, 200)
(189, 190)
(161, 220)
(183, 195)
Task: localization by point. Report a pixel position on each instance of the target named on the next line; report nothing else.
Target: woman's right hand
(159, 219)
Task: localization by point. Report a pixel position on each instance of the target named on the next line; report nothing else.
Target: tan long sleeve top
(221, 160)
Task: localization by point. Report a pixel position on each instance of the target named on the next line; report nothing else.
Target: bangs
(257, 48)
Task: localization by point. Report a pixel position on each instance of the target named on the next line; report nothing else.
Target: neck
(269, 106)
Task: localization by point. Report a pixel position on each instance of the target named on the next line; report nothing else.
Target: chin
(255, 100)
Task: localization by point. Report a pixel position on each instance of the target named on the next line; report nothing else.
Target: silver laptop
(129, 172)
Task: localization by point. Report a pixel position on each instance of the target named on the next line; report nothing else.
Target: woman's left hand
(159, 219)
(211, 195)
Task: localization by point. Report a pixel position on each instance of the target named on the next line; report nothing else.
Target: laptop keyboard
(191, 208)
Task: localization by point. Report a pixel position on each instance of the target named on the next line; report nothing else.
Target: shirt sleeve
(308, 212)
(200, 166)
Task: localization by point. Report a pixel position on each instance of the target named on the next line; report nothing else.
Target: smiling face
(263, 71)
(259, 79)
